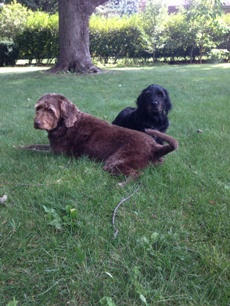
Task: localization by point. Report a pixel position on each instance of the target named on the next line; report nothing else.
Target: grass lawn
(56, 240)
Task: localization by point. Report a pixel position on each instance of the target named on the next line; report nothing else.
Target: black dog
(153, 106)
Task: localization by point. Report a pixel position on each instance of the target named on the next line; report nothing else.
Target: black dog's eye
(160, 94)
(148, 95)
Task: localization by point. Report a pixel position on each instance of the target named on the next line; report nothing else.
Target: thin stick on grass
(27, 184)
(116, 208)
(43, 148)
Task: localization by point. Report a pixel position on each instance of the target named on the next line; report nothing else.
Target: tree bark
(74, 53)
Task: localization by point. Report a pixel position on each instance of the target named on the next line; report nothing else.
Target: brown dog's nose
(37, 124)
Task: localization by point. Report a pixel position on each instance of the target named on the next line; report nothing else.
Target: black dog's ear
(168, 104)
(140, 99)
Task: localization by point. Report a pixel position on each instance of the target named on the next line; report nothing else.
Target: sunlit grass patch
(57, 243)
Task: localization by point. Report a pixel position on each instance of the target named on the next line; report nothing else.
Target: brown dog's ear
(68, 112)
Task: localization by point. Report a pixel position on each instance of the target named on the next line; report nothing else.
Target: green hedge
(39, 39)
(115, 37)
(37, 44)
(110, 38)
(8, 54)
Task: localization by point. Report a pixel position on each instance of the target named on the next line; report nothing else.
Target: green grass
(173, 242)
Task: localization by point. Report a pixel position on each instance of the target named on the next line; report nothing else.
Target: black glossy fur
(153, 105)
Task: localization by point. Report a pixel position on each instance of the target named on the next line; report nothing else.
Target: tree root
(65, 68)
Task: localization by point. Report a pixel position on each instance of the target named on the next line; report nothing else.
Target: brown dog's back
(74, 133)
(123, 151)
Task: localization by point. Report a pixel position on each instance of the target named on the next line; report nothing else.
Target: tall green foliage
(42, 5)
(201, 18)
(8, 54)
(153, 33)
(176, 41)
(115, 37)
(13, 19)
(39, 40)
(153, 24)
(225, 44)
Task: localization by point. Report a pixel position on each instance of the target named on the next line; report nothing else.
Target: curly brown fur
(74, 133)
(153, 105)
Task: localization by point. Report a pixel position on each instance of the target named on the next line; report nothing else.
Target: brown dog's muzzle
(37, 124)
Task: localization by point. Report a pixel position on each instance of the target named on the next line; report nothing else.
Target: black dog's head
(155, 100)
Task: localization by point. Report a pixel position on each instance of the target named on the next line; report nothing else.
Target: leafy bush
(136, 36)
(39, 40)
(115, 37)
(38, 44)
(8, 54)
(225, 38)
(218, 55)
(13, 19)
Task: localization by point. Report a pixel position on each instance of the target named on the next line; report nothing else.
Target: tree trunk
(74, 36)
(200, 55)
(154, 53)
(191, 54)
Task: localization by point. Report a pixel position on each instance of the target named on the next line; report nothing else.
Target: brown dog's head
(51, 109)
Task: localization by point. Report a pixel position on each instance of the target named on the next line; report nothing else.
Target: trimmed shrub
(218, 55)
(110, 38)
(13, 20)
(37, 44)
(115, 37)
(8, 54)
(39, 40)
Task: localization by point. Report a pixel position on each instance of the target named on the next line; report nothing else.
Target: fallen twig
(44, 148)
(27, 184)
(116, 208)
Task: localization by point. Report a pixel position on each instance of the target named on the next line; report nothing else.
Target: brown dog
(74, 133)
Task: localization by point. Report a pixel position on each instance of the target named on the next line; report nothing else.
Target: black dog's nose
(155, 103)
